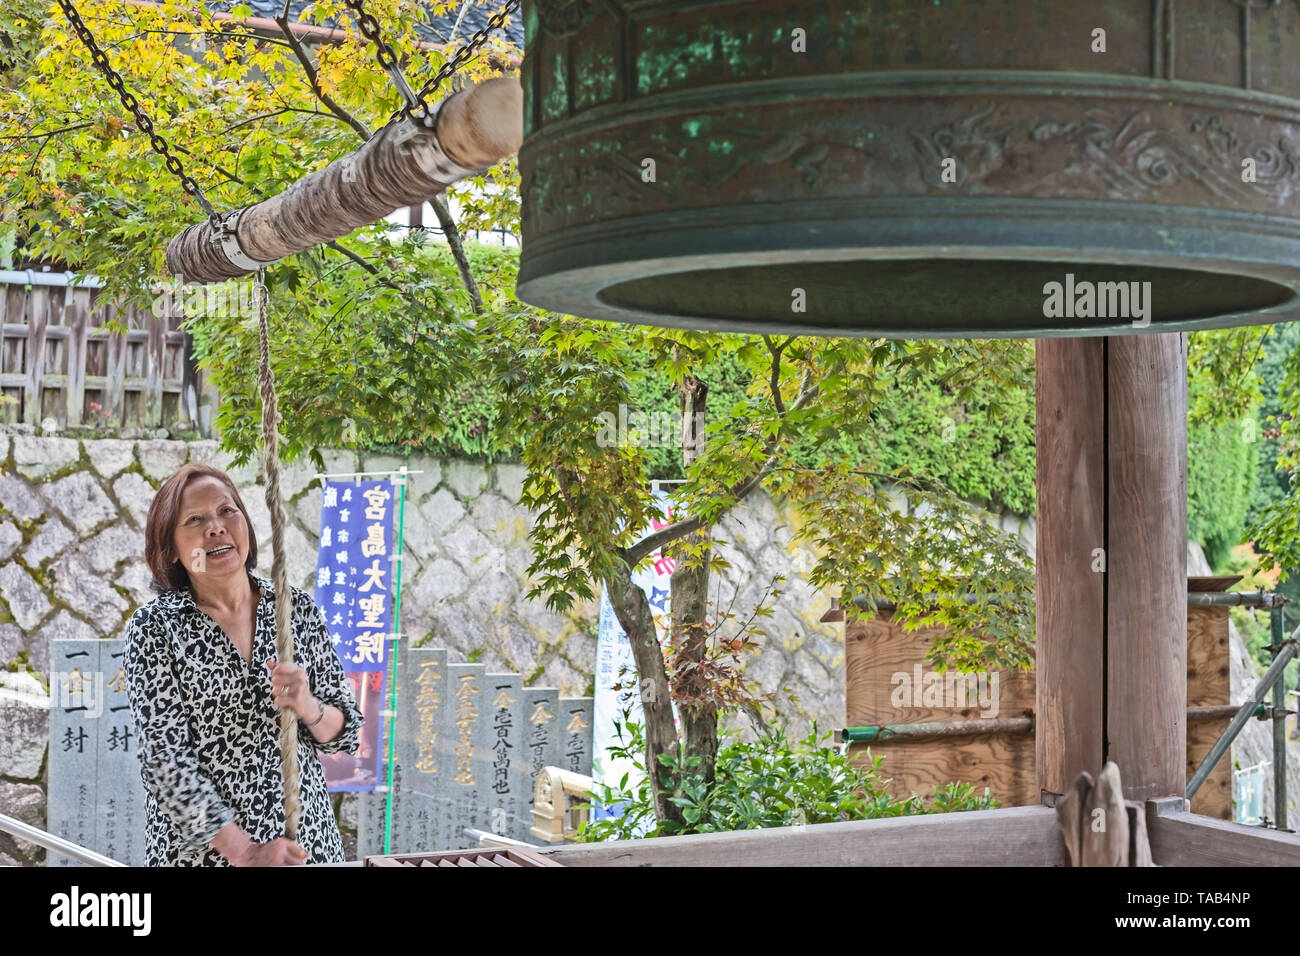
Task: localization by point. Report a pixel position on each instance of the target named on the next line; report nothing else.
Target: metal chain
(496, 22)
(142, 119)
(369, 27)
(419, 102)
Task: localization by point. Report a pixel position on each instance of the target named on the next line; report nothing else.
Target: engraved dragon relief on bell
(917, 170)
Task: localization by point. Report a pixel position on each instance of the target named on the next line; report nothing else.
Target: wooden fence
(57, 360)
(888, 683)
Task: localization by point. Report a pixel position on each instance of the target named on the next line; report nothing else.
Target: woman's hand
(279, 852)
(290, 689)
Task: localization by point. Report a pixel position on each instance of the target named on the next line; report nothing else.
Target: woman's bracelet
(319, 717)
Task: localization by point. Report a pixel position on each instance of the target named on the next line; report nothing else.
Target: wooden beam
(401, 165)
(1146, 574)
(1016, 836)
(1181, 838)
(1071, 598)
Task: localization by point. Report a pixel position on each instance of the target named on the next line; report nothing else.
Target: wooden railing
(57, 361)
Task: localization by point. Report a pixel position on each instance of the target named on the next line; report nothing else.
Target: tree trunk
(690, 593)
(633, 613)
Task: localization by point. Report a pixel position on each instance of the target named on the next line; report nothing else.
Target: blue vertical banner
(354, 587)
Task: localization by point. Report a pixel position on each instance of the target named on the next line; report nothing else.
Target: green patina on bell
(888, 167)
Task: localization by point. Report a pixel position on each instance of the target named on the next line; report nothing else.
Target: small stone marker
(120, 824)
(470, 768)
(574, 743)
(541, 721)
(509, 778)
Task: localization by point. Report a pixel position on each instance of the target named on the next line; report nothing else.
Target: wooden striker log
(403, 164)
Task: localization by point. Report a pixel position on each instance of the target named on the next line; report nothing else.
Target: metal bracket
(227, 237)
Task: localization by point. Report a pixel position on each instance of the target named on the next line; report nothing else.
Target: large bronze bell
(914, 168)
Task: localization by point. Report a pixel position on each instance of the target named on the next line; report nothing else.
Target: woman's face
(211, 536)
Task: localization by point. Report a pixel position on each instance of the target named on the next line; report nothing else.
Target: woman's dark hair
(160, 555)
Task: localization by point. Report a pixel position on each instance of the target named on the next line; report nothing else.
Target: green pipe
(392, 658)
(937, 729)
(1279, 727)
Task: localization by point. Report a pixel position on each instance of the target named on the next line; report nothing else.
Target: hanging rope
(279, 579)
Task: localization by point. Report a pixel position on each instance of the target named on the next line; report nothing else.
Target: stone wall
(72, 518)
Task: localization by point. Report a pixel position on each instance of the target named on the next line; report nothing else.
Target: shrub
(770, 782)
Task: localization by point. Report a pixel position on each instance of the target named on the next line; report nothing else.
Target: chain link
(471, 47)
(142, 119)
(369, 27)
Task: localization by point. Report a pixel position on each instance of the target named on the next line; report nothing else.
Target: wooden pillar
(1112, 561)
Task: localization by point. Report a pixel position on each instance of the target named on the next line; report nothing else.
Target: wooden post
(1071, 596)
(1146, 598)
(1112, 561)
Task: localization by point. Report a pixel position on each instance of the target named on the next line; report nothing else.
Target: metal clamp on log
(226, 235)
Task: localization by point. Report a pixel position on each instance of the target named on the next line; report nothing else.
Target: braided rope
(279, 580)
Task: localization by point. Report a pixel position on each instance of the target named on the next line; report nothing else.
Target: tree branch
(657, 539)
(314, 78)
(443, 211)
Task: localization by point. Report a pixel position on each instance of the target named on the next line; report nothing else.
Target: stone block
(108, 456)
(466, 729)
(27, 603)
(466, 479)
(422, 485)
(25, 802)
(161, 457)
(767, 667)
(508, 813)
(115, 544)
(135, 494)
(417, 536)
(442, 511)
(16, 497)
(135, 577)
(377, 463)
(510, 481)
(24, 732)
(79, 498)
(300, 555)
(208, 451)
(307, 509)
(441, 581)
(36, 457)
(503, 522)
(523, 649)
(465, 545)
(575, 737)
(87, 593)
(297, 477)
(491, 598)
(49, 542)
(558, 673)
(540, 715)
(12, 640)
(580, 651)
(10, 537)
